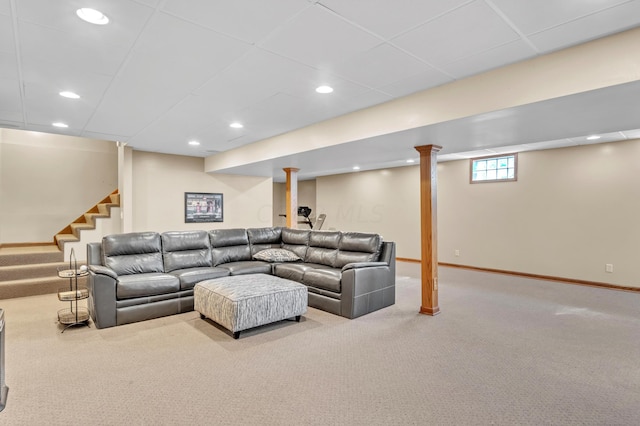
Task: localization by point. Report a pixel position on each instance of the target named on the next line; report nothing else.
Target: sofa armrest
(367, 289)
(359, 265)
(103, 270)
(101, 284)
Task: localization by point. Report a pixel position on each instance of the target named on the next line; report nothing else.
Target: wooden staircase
(71, 233)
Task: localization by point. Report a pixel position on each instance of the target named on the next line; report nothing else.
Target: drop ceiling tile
(254, 77)
(127, 19)
(388, 18)
(170, 54)
(303, 86)
(380, 66)
(55, 107)
(367, 99)
(534, 16)
(483, 61)
(222, 138)
(281, 113)
(5, 7)
(8, 66)
(182, 123)
(52, 78)
(247, 20)
(318, 38)
(416, 83)
(130, 106)
(70, 131)
(7, 43)
(150, 3)
(610, 21)
(460, 33)
(11, 105)
(58, 47)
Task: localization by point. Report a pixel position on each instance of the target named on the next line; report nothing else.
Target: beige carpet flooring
(504, 351)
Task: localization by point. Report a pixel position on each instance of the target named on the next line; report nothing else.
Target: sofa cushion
(229, 245)
(358, 247)
(185, 249)
(325, 239)
(276, 255)
(295, 240)
(133, 253)
(146, 284)
(191, 276)
(291, 271)
(247, 267)
(264, 238)
(328, 279)
(323, 247)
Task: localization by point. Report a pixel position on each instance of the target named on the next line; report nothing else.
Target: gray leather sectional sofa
(139, 276)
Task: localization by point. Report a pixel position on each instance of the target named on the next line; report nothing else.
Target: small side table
(74, 314)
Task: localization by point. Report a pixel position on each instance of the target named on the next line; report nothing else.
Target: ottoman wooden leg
(298, 318)
(236, 334)
(202, 316)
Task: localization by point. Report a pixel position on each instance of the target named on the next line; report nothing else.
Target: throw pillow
(276, 255)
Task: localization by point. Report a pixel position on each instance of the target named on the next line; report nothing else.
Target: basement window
(502, 168)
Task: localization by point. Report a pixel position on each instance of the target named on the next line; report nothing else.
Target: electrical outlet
(456, 252)
(608, 267)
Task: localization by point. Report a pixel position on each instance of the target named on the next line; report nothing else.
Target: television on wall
(203, 207)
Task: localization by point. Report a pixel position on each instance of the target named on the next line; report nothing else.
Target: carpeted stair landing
(29, 271)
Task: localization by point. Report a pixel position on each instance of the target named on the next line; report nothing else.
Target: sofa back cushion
(229, 245)
(323, 247)
(185, 249)
(358, 247)
(133, 253)
(296, 240)
(264, 238)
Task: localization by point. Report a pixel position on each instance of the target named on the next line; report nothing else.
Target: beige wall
(382, 201)
(571, 211)
(47, 181)
(306, 197)
(159, 184)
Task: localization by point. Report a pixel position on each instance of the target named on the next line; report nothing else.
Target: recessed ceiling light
(324, 89)
(92, 16)
(194, 143)
(410, 160)
(236, 125)
(63, 125)
(356, 167)
(69, 95)
(593, 137)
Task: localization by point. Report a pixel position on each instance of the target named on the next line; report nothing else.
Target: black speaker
(4, 390)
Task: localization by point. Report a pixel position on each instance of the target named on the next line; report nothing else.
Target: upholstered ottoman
(240, 302)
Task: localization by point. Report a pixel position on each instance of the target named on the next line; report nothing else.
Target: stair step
(30, 255)
(104, 209)
(77, 227)
(34, 286)
(36, 270)
(65, 238)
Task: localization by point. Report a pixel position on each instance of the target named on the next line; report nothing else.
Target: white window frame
(488, 158)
